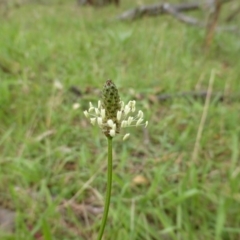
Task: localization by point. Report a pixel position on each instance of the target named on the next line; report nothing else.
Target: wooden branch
(182, 17)
(98, 3)
(212, 23)
(156, 9)
(176, 12)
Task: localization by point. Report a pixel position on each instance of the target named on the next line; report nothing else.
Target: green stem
(109, 187)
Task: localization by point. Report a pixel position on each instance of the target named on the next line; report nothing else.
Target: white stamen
(132, 103)
(124, 118)
(103, 113)
(112, 133)
(99, 120)
(139, 121)
(91, 109)
(140, 114)
(126, 136)
(119, 115)
(97, 111)
(129, 121)
(124, 124)
(110, 123)
(86, 113)
(146, 124)
(127, 110)
(93, 121)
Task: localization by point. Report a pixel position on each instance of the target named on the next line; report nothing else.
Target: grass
(53, 163)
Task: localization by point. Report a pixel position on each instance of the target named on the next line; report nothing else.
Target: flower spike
(112, 114)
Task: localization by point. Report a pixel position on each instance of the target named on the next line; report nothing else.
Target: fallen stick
(174, 10)
(156, 9)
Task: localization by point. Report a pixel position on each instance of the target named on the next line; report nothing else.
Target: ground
(176, 179)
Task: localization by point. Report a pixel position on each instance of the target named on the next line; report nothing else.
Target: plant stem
(109, 187)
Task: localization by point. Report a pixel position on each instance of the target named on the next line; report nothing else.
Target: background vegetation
(54, 59)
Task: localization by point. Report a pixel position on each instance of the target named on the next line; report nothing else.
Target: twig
(175, 11)
(98, 3)
(182, 17)
(156, 9)
(212, 23)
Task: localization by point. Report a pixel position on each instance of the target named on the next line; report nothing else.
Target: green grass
(53, 163)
